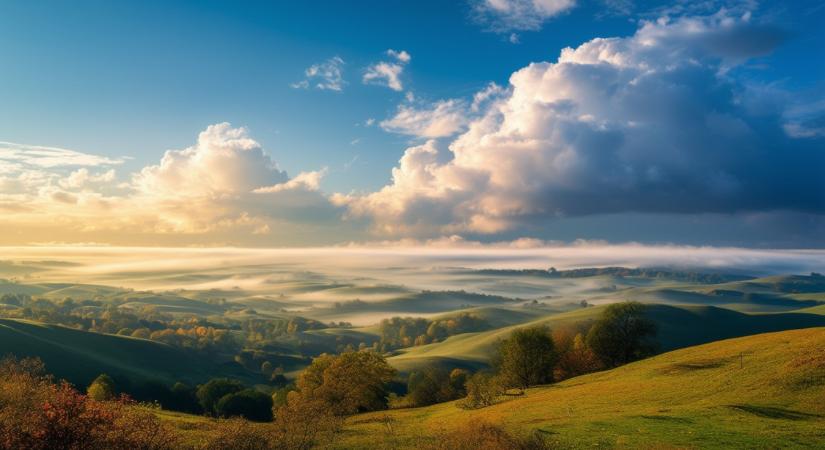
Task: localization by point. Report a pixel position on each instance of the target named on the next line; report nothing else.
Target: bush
(36, 413)
(483, 389)
(304, 422)
(238, 434)
(102, 388)
(485, 436)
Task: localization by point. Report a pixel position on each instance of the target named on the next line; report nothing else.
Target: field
(763, 391)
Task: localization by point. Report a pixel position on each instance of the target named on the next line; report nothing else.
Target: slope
(762, 391)
(79, 356)
(678, 327)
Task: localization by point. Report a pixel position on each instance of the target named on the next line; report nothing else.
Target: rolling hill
(762, 391)
(678, 327)
(80, 356)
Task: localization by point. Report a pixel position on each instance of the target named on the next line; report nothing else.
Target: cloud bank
(657, 122)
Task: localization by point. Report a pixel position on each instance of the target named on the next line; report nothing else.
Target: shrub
(483, 389)
(238, 434)
(303, 422)
(485, 436)
(36, 413)
(102, 388)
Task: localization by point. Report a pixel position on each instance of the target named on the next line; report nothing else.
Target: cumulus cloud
(503, 16)
(650, 123)
(224, 161)
(388, 73)
(328, 75)
(224, 185)
(443, 118)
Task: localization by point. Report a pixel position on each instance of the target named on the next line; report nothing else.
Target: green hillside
(679, 327)
(80, 356)
(762, 391)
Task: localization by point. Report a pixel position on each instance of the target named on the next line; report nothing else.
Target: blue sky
(131, 80)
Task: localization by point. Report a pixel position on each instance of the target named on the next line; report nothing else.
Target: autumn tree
(348, 383)
(102, 388)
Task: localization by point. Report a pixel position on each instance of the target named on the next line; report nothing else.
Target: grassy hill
(762, 391)
(80, 356)
(679, 327)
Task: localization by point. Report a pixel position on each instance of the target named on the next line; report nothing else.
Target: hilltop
(757, 391)
(679, 327)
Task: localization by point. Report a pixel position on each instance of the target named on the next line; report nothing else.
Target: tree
(267, 368)
(483, 388)
(348, 383)
(622, 334)
(429, 386)
(249, 404)
(526, 358)
(458, 380)
(304, 422)
(209, 394)
(184, 398)
(102, 388)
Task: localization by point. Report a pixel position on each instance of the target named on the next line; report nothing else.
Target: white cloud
(503, 16)
(49, 157)
(388, 73)
(443, 118)
(81, 178)
(310, 181)
(224, 185)
(224, 161)
(328, 75)
(402, 56)
(651, 123)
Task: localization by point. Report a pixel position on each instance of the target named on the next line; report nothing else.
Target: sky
(271, 124)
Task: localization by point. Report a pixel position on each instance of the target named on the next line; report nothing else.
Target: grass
(679, 327)
(762, 391)
(80, 356)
